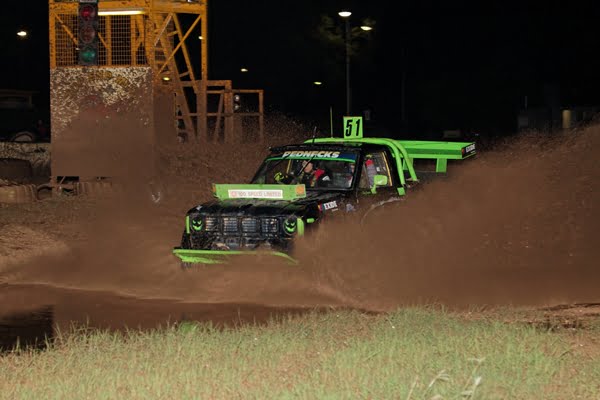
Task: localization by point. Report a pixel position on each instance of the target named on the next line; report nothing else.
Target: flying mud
(516, 225)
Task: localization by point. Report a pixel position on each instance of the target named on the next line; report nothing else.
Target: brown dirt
(514, 226)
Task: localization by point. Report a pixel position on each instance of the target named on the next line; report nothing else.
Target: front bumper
(222, 256)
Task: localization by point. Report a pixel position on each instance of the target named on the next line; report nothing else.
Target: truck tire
(18, 194)
(379, 206)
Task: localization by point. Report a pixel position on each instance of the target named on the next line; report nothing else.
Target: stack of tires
(94, 188)
(14, 175)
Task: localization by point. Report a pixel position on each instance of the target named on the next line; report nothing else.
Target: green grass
(409, 354)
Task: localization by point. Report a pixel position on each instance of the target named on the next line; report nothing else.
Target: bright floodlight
(344, 14)
(121, 12)
(22, 34)
(366, 28)
(318, 83)
(200, 37)
(244, 70)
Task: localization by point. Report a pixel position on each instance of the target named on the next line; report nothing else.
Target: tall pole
(348, 102)
(403, 92)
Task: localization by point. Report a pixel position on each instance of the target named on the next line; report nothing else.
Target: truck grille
(240, 232)
(269, 225)
(250, 225)
(242, 225)
(212, 224)
(230, 224)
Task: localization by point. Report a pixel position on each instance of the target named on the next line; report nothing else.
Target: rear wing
(404, 151)
(439, 151)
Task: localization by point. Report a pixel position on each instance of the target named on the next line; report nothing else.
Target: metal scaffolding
(170, 36)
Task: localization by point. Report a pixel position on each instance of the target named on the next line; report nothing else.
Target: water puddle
(26, 330)
(30, 316)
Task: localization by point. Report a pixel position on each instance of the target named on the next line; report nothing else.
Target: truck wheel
(378, 207)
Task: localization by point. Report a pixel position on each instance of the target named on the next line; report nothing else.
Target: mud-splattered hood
(311, 205)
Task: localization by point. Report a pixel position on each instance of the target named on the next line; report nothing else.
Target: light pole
(346, 16)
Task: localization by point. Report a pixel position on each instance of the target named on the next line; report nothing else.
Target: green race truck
(299, 186)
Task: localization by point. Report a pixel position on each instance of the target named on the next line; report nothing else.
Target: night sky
(465, 65)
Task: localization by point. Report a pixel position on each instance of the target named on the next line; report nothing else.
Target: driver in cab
(311, 175)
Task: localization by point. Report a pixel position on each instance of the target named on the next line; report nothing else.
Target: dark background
(466, 65)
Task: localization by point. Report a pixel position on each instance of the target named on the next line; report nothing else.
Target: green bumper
(222, 256)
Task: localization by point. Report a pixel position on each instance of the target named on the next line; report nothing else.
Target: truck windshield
(316, 169)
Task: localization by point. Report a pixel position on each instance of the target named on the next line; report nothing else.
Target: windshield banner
(259, 191)
(315, 154)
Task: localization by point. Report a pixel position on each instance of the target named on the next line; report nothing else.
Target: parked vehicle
(20, 119)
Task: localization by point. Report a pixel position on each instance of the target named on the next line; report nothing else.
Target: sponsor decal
(197, 225)
(328, 206)
(290, 225)
(254, 194)
(311, 154)
(470, 148)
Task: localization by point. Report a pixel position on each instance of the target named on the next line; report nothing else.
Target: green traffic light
(88, 55)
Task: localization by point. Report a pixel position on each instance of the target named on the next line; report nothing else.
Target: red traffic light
(87, 12)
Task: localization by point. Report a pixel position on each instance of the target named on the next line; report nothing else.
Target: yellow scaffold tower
(171, 37)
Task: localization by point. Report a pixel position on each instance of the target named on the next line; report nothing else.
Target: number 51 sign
(353, 127)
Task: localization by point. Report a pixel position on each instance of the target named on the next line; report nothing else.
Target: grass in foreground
(410, 354)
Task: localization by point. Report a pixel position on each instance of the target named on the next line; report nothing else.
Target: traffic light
(88, 32)
(237, 102)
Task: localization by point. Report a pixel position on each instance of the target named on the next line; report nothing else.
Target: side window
(375, 163)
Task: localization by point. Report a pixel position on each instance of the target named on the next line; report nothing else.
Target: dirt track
(515, 226)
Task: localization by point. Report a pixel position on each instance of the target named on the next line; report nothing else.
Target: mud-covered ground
(516, 226)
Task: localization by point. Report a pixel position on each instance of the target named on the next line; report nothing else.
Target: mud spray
(516, 225)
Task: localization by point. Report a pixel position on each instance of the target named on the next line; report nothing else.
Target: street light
(346, 15)
(22, 34)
